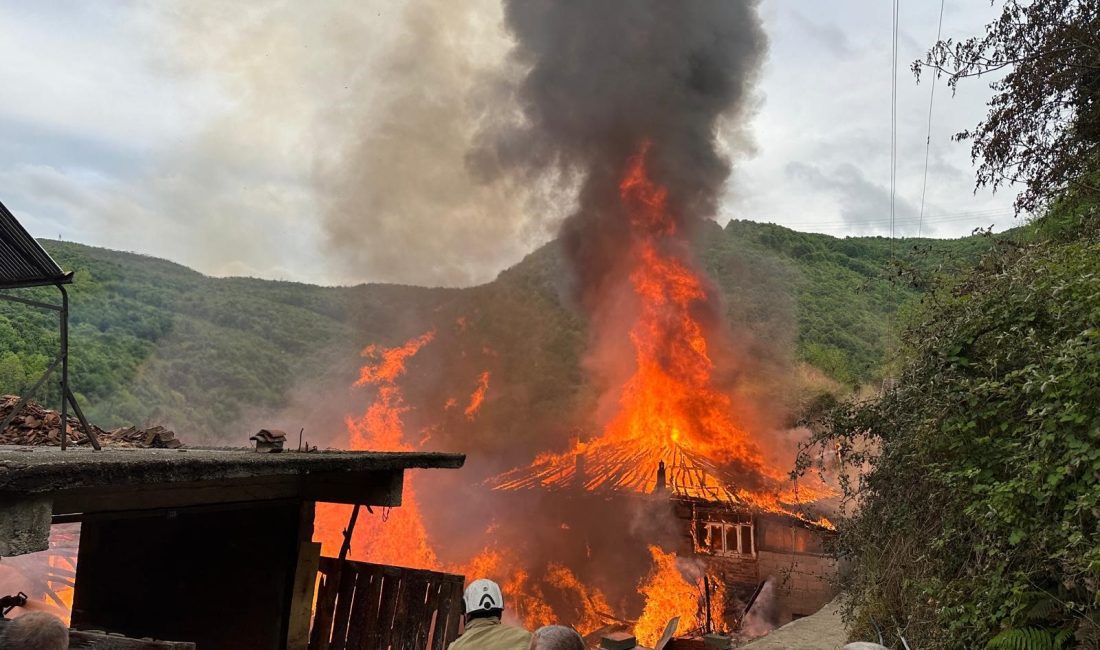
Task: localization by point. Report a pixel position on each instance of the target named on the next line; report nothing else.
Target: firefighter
(556, 637)
(484, 605)
(35, 631)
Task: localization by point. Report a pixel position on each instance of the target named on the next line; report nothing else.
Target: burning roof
(623, 466)
(627, 467)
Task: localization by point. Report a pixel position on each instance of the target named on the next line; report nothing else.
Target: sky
(326, 142)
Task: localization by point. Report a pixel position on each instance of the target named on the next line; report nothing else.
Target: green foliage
(1030, 638)
(846, 291)
(151, 340)
(979, 499)
(154, 342)
(1044, 119)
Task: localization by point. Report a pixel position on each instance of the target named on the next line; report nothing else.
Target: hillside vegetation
(155, 342)
(977, 472)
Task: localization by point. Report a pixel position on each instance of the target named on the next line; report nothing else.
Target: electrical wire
(894, 114)
(928, 138)
(946, 217)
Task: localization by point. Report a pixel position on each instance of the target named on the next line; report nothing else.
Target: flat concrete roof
(48, 469)
(40, 484)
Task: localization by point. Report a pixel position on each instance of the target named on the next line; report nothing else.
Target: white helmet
(483, 595)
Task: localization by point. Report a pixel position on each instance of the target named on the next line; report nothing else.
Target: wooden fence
(362, 606)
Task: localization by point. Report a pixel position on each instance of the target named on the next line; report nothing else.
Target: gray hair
(557, 637)
(36, 631)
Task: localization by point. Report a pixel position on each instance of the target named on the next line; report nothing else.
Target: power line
(939, 219)
(963, 214)
(894, 114)
(928, 138)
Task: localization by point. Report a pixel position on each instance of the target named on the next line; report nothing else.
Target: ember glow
(478, 396)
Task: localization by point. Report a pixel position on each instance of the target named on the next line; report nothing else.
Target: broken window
(722, 538)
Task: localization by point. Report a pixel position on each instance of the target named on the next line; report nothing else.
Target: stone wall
(804, 583)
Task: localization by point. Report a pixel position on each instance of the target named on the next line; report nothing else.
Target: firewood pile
(36, 425)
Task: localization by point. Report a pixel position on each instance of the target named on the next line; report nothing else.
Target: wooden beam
(305, 580)
(301, 598)
(180, 494)
(381, 488)
(374, 489)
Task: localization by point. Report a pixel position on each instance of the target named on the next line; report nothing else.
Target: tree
(1043, 125)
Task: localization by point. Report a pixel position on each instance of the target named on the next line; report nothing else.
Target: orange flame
(671, 408)
(589, 605)
(671, 399)
(392, 537)
(668, 593)
(478, 396)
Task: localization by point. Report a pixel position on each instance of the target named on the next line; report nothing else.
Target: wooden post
(706, 599)
(305, 581)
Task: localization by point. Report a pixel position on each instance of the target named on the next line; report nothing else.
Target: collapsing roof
(629, 468)
(23, 262)
(671, 469)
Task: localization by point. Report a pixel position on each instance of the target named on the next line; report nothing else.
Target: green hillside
(153, 341)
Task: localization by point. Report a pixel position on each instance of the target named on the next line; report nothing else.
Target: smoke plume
(368, 108)
(602, 77)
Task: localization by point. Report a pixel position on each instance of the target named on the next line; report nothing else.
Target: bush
(978, 474)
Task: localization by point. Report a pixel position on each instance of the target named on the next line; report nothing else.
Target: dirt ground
(821, 631)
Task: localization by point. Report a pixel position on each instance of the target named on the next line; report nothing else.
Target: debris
(36, 425)
(269, 440)
(618, 641)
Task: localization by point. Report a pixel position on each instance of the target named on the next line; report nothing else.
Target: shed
(212, 546)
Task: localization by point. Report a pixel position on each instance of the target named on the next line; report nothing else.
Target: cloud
(828, 35)
(863, 205)
(332, 138)
(374, 105)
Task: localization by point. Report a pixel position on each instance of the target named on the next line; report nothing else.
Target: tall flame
(668, 593)
(671, 409)
(399, 536)
(671, 399)
(395, 537)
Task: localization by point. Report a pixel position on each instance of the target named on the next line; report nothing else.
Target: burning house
(741, 546)
(676, 504)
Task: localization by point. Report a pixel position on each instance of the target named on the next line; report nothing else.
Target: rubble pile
(35, 425)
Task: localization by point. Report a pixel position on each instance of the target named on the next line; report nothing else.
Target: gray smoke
(602, 78)
(368, 109)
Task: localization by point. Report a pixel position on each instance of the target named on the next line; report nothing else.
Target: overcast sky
(324, 141)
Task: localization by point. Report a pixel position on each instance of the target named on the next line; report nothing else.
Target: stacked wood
(36, 425)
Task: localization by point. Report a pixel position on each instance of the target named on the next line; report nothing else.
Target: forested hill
(153, 341)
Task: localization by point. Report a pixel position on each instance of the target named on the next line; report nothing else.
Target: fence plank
(364, 606)
(458, 610)
(373, 636)
(349, 575)
(415, 597)
(391, 591)
(360, 610)
(326, 600)
(401, 616)
(443, 608)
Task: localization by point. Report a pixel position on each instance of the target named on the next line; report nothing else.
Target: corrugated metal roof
(23, 262)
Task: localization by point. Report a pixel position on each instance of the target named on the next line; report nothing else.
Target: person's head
(483, 599)
(556, 637)
(36, 631)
